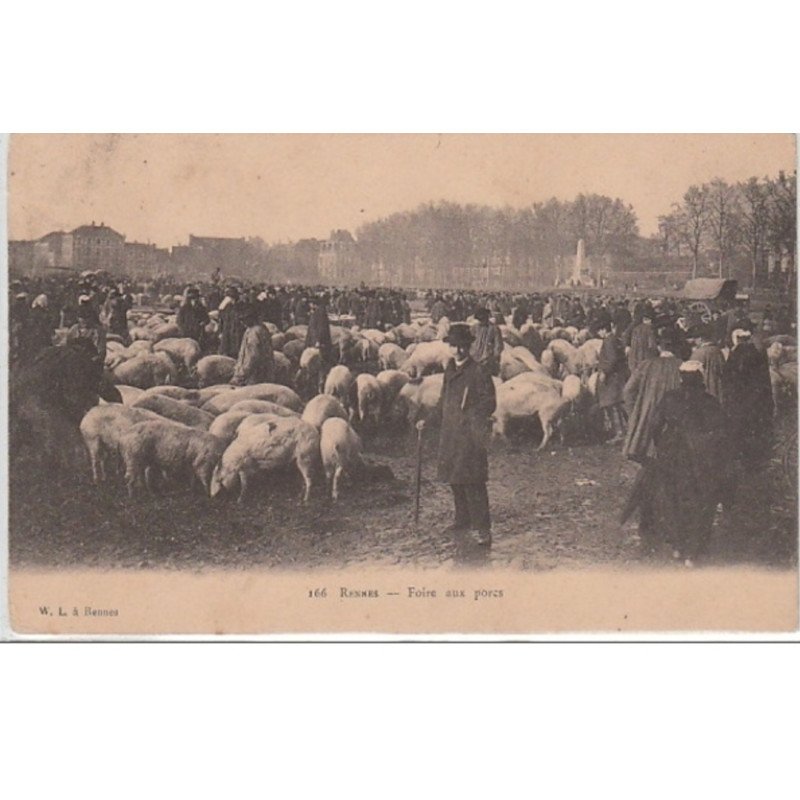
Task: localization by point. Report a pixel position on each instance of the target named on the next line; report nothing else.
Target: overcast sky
(161, 188)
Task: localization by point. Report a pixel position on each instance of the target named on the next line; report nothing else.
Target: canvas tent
(710, 289)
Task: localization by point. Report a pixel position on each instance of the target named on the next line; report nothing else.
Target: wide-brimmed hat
(459, 334)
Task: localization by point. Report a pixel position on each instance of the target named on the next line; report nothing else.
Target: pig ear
(271, 426)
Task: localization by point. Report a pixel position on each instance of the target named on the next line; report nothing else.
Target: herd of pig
(180, 414)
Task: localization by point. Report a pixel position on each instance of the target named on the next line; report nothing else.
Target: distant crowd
(101, 304)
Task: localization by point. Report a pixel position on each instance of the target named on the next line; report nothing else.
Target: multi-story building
(208, 253)
(97, 247)
(338, 260)
(144, 259)
(20, 256)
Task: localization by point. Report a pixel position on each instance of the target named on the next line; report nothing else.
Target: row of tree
(534, 241)
(720, 229)
(720, 223)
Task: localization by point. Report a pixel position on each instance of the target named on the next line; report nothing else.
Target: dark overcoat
(231, 330)
(468, 400)
(679, 490)
(192, 319)
(319, 334)
(614, 368)
(747, 394)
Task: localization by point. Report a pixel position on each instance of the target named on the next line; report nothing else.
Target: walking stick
(418, 487)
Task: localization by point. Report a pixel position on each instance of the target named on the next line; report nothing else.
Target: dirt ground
(555, 508)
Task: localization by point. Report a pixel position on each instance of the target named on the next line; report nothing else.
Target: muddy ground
(555, 508)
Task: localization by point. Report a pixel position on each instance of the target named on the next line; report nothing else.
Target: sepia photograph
(402, 383)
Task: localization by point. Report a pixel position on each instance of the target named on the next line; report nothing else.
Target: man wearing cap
(487, 344)
(678, 490)
(466, 404)
(747, 394)
(644, 390)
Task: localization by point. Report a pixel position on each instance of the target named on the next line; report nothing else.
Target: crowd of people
(687, 398)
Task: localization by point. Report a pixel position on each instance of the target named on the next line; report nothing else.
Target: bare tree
(754, 210)
(691, 221)
(782, 227)
(670, 238)
(723, 220)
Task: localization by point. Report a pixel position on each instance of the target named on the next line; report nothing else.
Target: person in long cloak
(256, 361)
(747, 393)
(231, 327)
(710, 356)
(643, 341)
(644, 390)
(678, 490)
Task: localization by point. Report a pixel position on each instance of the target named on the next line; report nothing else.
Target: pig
(391, 382)
(369, 398)
(428, 357)
(213, 370)
(282, 395)
(523, 399)
(101, 429)
(340, 449)
(339, 383)
(322, 407)
(276, 443)
(171, 448)
(184, 352)
(175, 410)
(146, 370)
(391, 356)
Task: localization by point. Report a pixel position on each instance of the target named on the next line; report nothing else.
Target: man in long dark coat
(231, 327)
(372, 315)
(747, 394)
(710, 356)
(487, 345)
(642, 339)
(642, 394)
(678, 491)
(613, 368)
(466, 404)
(192, 316)
(319, 331)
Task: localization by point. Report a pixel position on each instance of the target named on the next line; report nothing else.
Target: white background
(423, 720)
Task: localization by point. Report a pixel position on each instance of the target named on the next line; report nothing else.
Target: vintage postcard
(416, 385)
